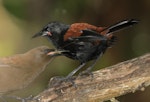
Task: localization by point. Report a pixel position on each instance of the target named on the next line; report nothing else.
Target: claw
(87, 73)
(58, 80)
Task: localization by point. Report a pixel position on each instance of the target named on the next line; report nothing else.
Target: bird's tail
(118, 26)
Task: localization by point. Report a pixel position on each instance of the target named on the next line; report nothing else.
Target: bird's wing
(88, 32)
(87, 37)
(4, 66)
(5, 71)
(9, 75)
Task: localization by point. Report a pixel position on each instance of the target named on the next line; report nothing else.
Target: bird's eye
(45, 29)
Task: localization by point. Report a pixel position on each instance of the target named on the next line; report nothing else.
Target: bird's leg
(74, 71)
(69, 77)
(55, 81)
(88, 70)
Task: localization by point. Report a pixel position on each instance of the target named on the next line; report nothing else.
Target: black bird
(84, 42)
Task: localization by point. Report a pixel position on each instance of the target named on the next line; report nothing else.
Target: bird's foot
(60, 81)
(86, 73)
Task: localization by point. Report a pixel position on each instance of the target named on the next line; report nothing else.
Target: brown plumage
(18, 71)
(75, 29)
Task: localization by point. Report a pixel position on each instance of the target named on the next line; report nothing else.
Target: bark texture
(107, 83)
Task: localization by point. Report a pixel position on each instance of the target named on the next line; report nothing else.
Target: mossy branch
(108, 83)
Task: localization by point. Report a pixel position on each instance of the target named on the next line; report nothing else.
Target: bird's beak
(37, 35)
(56, 52)
(45, 33)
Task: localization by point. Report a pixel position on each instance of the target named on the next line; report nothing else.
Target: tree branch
(107, 83)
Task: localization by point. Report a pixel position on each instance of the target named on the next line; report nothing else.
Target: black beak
(45, 33)
(37, 35)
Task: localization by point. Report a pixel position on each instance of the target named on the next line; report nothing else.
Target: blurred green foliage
(16, 7)
(20, 19)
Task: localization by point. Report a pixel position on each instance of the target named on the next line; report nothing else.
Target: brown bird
(18, 71)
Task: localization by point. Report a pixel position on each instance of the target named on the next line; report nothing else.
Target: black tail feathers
(121, 25)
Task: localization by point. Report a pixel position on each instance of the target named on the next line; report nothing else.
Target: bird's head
(52, 30)
(43, 54)
(39, 55)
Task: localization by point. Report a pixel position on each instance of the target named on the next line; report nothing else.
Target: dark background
(20, 19)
